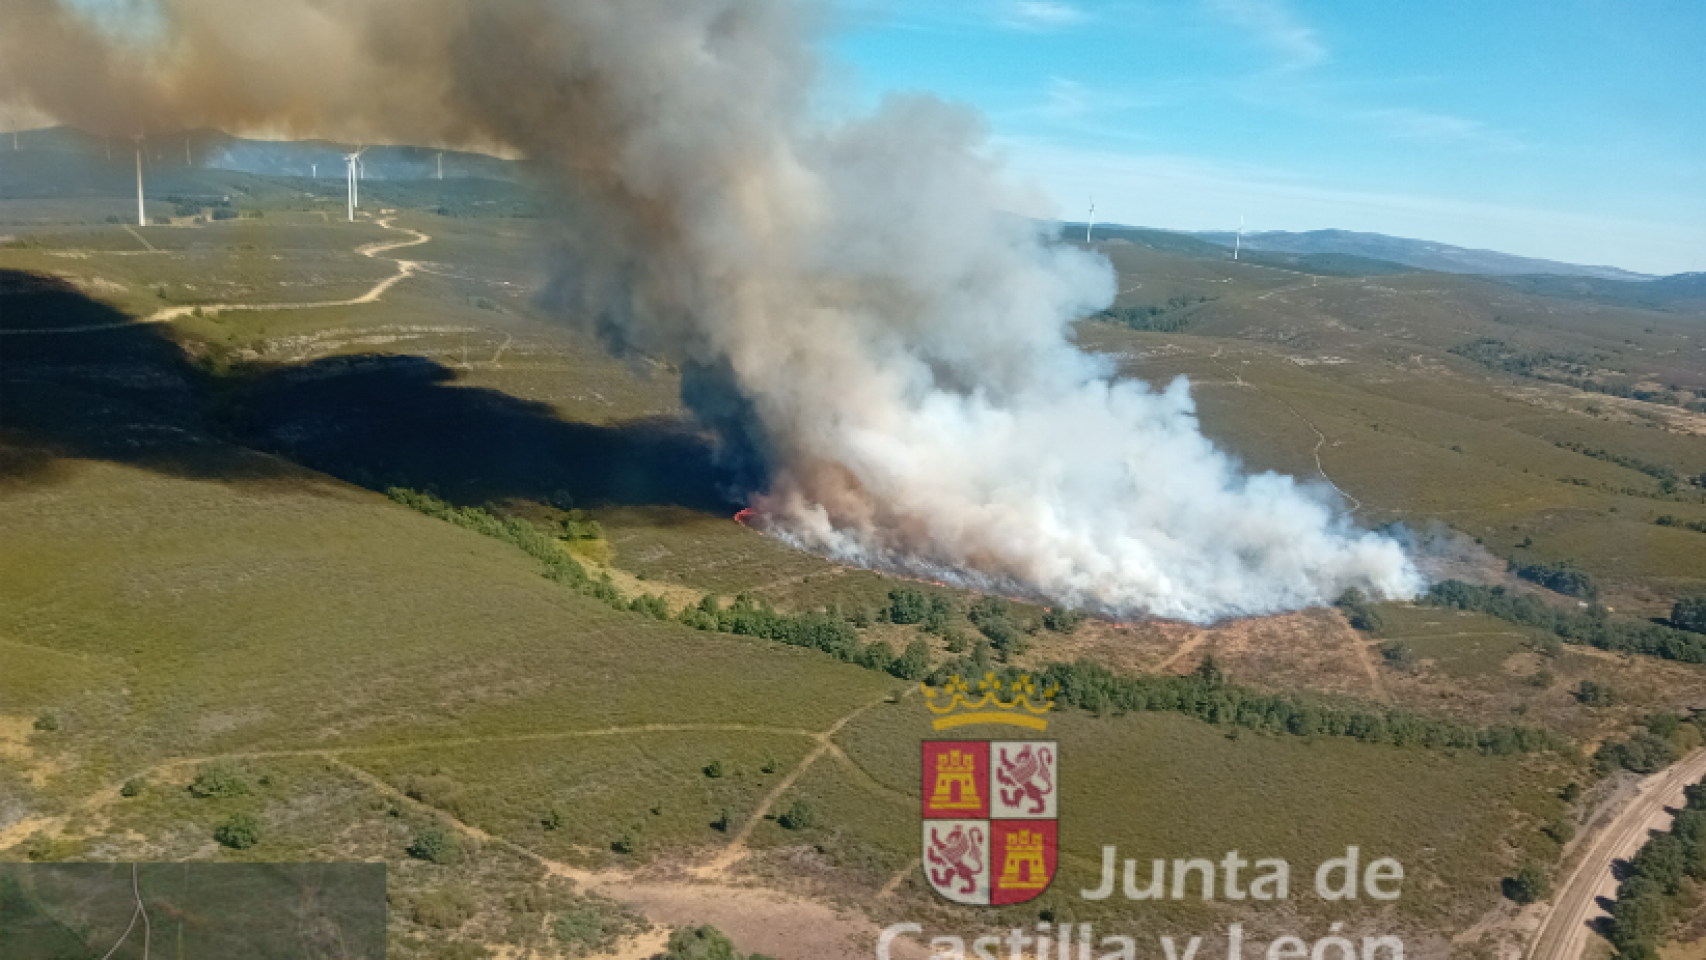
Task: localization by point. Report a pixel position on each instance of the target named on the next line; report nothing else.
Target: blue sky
(1566, 129)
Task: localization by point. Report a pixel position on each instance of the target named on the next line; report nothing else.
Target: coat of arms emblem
(990, 807)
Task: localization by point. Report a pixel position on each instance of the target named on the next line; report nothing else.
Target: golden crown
(1019, 703)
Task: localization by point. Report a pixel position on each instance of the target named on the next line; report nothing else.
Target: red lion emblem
(960, 857)
(1026, 776)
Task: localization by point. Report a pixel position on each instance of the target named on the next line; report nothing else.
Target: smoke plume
(852, 305)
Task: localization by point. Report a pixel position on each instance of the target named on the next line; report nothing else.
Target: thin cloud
(1042, 15)
(1424, 126)
(1278, 27)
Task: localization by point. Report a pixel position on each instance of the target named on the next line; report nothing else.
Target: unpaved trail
(1320, 438)
(1563, 933)
(736, 849)
(405, 269)
(759, 918)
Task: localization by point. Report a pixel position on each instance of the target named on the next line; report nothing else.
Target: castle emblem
(990, 807)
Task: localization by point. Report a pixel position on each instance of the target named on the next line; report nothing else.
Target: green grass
(232, 601)
(653, 784)
(1161, 786)
(295, 613)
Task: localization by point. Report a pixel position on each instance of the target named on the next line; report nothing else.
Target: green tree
(800, 815)
(1061, 620)
(878, 655)
(1689, 613)
(240, 832)
(1661, 860)
(907, 605)
(1531, 884)
(1639, 919)
(914, 664)
(704, 943)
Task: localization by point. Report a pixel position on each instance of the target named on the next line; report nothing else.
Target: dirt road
(1575, 906)
(405, 269)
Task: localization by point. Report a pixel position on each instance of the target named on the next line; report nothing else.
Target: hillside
(1422, 254)
(336, 527)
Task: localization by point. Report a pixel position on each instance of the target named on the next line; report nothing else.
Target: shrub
(877, 656)
(1561, 829)
(1595, 694)
(714, 769)
(436, 845)
(800, 815)
(1564, 578)
(439, 791)
(132, 787)
(651, 605)
(47, 723)
(240, 832)
(219, 780)
(907, 605)
(628, 842)
(1061, 620)
(444, 909)
(1359, 611)
(1399, 656)
(914, 664)
(1646, 752)
(704, 943)
(1530, 885)
(956, 641)
(583, 928)
(552, 820)
(1689, 613)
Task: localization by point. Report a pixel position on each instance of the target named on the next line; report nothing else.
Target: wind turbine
(441, 164)
(313, 171)
(352, 165)
(1238, 242)
(1090, 221)
(141, 215)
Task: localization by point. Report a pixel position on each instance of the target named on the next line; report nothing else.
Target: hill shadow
(131, 394)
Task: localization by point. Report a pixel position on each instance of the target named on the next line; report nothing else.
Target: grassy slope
(285, 610)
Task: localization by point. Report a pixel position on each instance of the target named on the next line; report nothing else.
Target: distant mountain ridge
(1422, 254)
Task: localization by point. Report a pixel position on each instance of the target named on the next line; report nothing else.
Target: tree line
(1594, 627)
(1650, 898)
(1208, 695)
(1571, 369)
(1205, 694)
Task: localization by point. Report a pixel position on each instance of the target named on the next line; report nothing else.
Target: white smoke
(889, 341)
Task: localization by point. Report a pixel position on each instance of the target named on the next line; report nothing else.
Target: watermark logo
(990, 807)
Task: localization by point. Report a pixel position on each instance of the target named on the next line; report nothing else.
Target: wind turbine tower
(141, 214)
(353, 165)
(441, 164)
(1090, 220)
(1238, 242)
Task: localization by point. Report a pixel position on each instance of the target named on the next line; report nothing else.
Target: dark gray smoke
(852, 305)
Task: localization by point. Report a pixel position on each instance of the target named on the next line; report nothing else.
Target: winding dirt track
(405, 269)
(1564, 932)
